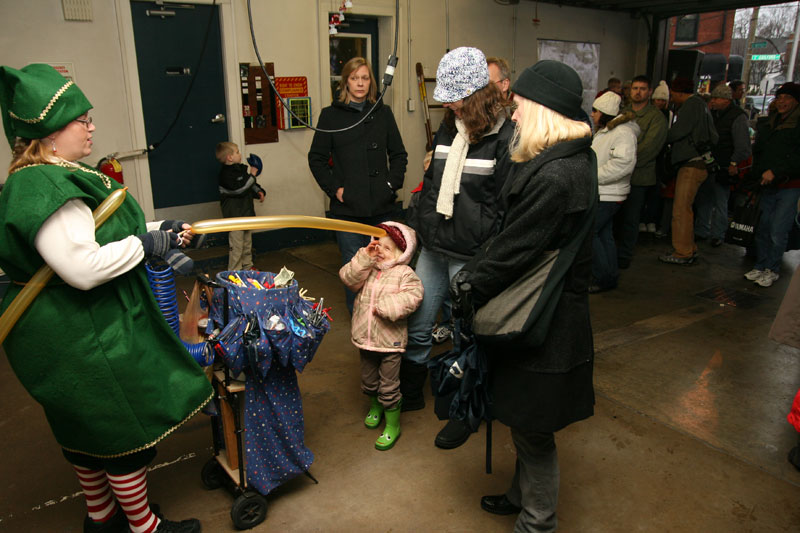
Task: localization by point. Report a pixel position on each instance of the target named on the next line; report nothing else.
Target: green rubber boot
(373, 419)
(392, 430)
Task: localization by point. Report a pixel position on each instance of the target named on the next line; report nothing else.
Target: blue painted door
(179, 54)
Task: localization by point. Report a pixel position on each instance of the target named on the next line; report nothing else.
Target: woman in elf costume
(93, 348)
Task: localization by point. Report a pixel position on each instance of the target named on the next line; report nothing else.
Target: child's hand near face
(372, 249)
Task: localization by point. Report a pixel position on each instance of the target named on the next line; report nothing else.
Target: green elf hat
(37, 100)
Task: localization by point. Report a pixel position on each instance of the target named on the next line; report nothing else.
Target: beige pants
(240, 253)
(690, 176)
(380, 376)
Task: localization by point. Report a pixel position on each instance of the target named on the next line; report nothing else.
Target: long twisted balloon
(283, 221)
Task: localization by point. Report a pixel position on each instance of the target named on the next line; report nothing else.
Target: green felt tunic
(112, 376)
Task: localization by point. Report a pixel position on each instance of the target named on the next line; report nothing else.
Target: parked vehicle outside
(757, 104)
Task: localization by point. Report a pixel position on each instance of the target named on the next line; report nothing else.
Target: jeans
(778, 208)
(711, 204)
(631, 216)
(536, 480)
(689, 179)
(604, 250)
(435, 270)
(349, 244)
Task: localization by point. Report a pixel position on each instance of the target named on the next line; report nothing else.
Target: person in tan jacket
(388, 291)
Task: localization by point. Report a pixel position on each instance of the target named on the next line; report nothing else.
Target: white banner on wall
(583, 57)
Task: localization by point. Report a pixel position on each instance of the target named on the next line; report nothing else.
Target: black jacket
(237, 189)
(476, 212)
(546, 388)
(359, 159)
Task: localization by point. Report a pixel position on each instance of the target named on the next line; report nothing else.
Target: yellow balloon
(217, 225)
(38, 281)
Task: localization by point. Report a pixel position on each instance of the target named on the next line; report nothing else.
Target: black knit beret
(790, 88)
(552, 84)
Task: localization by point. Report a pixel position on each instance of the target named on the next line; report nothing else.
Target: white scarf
(451, 177)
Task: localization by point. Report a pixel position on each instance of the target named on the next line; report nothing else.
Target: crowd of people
(521, 183)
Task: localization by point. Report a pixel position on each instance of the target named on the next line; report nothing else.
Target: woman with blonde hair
(542, 380)
(360, 169)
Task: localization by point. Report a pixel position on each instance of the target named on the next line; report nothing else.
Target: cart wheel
(249, 510)
(212, 474)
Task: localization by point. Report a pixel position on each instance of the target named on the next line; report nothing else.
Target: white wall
(293, 35)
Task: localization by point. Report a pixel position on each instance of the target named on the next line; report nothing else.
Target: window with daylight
(686, 29)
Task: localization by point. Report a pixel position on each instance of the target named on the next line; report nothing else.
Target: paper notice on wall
(65, 69)
(583, 57)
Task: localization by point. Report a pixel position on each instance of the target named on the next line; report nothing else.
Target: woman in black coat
(540, 386)
(351, 166)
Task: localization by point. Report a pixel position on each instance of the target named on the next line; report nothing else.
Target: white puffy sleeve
(66, 242)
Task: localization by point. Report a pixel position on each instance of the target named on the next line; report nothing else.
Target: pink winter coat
(387, 294)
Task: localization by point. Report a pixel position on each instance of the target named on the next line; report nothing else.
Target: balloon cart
(261, 336)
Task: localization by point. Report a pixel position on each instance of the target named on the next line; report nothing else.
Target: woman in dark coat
(539, 388)
(351, 166)
(457, 210)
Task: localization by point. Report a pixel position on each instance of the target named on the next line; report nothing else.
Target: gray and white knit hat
(461, 72)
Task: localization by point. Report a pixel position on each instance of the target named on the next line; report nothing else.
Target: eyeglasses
(85, 121)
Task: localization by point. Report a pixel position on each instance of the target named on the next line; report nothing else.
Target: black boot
(412, 383)
(453, 435)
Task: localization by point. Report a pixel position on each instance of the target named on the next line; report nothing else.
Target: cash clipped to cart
(263, 331)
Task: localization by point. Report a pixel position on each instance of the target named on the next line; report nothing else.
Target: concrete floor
(689, 433)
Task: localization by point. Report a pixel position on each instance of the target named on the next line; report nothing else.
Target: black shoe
(453, 435)
(794, 457)
(594, 288)
(675, 260)
(716, 243)
(191, 525)
(499, 504)
(116, 524)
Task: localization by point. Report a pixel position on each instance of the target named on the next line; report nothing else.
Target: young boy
(388, 291)
(237, 189)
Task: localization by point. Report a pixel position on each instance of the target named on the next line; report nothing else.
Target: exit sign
(762, 44)
(766, 57)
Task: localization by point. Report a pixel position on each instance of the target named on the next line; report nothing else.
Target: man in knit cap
(733, 148)
(691, 135)
(651, 138)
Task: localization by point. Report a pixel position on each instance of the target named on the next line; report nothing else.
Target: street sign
(765, 57)
(761, 44)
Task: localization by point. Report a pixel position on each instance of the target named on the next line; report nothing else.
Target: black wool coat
(548, 387)
(368, 161)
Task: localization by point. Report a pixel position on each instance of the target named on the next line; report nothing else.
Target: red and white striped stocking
(99, 499)
(131, 492)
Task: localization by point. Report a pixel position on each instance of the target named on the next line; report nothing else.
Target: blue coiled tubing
(162, 281)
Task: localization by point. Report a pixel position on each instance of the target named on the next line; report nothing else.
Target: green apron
(111, 375)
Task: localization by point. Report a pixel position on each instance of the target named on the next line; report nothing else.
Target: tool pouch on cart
(280, 316)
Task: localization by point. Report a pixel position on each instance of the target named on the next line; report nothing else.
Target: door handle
(219, 117)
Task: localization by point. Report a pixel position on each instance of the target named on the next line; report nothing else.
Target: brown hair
(350, 67)
(480, 112)
(28, 152)
(224, 149)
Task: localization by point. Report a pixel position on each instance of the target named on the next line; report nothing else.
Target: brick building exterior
(708, 32)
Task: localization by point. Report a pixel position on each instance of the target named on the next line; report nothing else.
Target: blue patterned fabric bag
(267, 334)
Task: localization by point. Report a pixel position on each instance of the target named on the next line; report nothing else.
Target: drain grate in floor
(730, 297)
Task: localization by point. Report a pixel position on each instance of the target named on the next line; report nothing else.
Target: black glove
(461, 296)
(174, 225)
(163, 244)
(177, 226)
(158, 243)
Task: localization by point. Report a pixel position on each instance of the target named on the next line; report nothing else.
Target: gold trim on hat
(47, 108)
